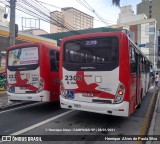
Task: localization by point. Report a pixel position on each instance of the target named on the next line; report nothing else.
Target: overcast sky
(103, 7)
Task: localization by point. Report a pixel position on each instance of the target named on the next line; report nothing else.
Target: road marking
(41, 123)
(27, 105)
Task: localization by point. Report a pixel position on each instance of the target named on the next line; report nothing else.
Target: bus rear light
(121, 87)
(120, 93)
(117, 99)
(41, 84)
(61, 84)
(64, 94)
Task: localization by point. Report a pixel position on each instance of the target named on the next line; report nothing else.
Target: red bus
(103, 73)
(33, 72)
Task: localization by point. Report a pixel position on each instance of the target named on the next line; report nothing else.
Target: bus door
(137, 77)
(54, 68)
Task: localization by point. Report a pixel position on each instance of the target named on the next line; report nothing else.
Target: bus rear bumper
(121, 109)
(42, 96)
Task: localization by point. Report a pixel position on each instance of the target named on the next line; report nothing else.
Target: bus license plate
(77, 105)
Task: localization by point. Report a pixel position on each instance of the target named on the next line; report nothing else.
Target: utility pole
(12, 22)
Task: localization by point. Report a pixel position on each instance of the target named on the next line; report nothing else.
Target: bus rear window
(23, 58)
(97, 51)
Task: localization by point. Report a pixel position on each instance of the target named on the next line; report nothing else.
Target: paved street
(49, 119)
(4, 105)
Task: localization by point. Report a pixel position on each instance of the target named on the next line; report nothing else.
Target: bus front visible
(23, 73)
(90, 75)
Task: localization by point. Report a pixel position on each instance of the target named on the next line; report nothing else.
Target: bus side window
(147, 67)
(57, 61)
(132, 59)
(141, 63)
(54, 60)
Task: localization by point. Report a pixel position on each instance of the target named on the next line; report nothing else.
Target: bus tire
(139, 105)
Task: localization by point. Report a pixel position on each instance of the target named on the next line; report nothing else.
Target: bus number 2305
(73, 78)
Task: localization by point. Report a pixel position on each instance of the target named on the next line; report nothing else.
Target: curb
(148, 117)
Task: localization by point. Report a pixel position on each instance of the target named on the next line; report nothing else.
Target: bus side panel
(132, 92)
(51, 78)
(143, 81)
(61, 60)
(54, 80)
(44, 68)
(125, 72)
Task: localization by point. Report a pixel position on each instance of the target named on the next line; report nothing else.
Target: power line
(95, 18)
(86, 5)
(35, 9)
(49, 4)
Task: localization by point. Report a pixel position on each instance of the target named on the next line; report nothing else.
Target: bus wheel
(140, 101)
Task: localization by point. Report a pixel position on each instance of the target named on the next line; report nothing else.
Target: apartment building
(71, 18)
(142, 31)
(151, 9)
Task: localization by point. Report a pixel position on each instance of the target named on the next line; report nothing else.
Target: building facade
(151, 9)
(3, 21)
(71, 18)
(143, 30)
(35, 31)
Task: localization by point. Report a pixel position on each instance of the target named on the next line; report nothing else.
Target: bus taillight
(120, 93)
(41, 84)
(64, 94)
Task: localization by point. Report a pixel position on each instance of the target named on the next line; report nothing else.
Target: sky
(104, 8)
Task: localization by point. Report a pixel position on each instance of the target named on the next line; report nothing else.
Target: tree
(116, 2)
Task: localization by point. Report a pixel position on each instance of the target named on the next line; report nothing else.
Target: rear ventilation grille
(102, 101)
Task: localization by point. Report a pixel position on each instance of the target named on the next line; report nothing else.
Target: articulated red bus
(33, 72)
(103, 73)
